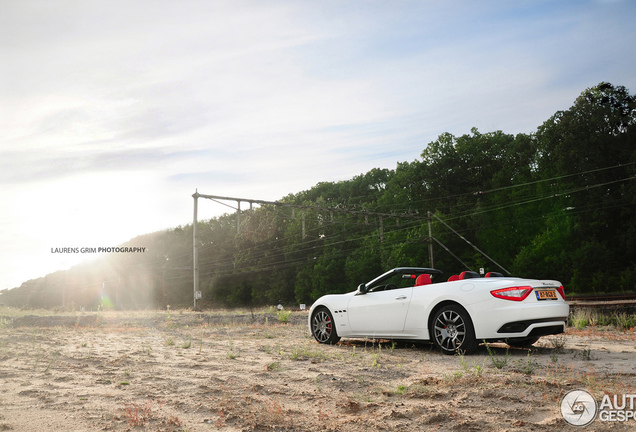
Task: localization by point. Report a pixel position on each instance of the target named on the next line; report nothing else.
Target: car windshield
(394, 281)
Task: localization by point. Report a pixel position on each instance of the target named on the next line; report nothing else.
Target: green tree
(588, 153)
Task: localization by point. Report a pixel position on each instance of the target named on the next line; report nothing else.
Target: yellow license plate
(546, 295)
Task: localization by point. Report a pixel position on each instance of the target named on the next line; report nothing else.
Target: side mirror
(362, 288)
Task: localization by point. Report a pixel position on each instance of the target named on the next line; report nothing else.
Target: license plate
(546, 295)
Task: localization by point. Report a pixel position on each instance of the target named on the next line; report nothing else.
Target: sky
(113, 113)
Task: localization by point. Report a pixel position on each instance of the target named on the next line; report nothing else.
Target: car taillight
(561, 291)
(512, 293)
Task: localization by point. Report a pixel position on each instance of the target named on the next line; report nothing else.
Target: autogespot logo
(579, 408)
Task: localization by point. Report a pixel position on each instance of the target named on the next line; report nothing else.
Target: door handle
(402, 297)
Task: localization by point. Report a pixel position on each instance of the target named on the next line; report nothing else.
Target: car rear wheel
(323, 328)
(453, 330)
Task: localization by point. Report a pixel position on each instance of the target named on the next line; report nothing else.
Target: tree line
(558, 203)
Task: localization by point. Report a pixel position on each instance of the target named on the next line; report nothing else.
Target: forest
(557, 203)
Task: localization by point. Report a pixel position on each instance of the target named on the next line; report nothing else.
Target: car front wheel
(453, 331)
(323, 328)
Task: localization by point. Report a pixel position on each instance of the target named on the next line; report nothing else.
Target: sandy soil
(199, 372)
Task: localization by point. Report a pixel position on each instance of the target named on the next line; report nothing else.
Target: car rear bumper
(522, 326)
(507, 320)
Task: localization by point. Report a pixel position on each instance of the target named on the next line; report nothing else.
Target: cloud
(142, 102)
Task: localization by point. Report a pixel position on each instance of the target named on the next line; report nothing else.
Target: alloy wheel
(450, 330)
(322, 326)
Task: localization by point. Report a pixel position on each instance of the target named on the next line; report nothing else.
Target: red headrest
(423, 279)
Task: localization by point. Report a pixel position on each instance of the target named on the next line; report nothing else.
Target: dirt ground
(186, 371)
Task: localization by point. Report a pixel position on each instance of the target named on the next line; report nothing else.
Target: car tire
(323, 328)
(452, 330)
(522, 342)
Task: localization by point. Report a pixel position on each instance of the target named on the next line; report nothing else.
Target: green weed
(585, 317)
(456, 376)
(580, 319)
(557, 342)
(187, 344)
(274, 366)
(52, 361)
(376, 360)
(392, 347)
(475, 369)
(306, 353)
(283, 316)
(527, 366)
(233, 353)
(586, 354)
(497, 361)
(625, 321)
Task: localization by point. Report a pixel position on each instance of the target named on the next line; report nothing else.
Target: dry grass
(118, 372)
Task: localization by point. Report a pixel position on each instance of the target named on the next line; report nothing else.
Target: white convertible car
(412, 303)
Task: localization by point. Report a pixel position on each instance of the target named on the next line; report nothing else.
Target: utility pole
(430, 239)
(195, 251)
(303, 224)
(331, 210)
(381, 229)
(238, 217)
